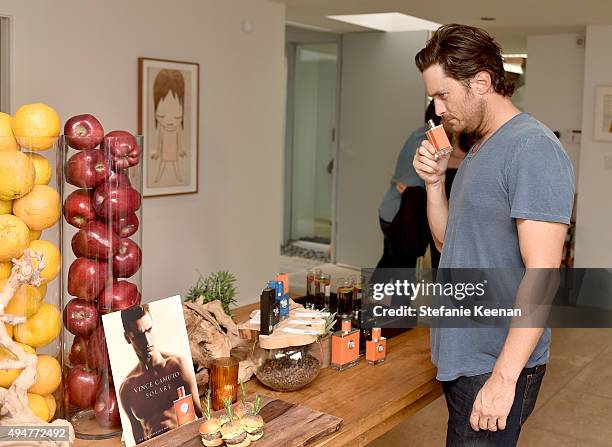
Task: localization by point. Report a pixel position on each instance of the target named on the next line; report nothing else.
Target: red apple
(119, 178)
(113, 202)
(80, 317)
(87, 169)
(122, 148)
(118, 295)
(87, 278)
(97, 353)
(95, 240)
(78, 351)
(127, 260)
(126, 226)
(106, 408)
(78, 208)
(83, 385)
(83, 132)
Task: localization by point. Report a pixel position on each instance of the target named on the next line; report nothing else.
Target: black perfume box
(269, 310)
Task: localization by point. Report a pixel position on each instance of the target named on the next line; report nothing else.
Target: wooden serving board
(287, 425)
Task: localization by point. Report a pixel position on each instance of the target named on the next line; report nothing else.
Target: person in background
(403, 177)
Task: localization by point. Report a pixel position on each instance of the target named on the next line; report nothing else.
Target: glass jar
(287, 369)
(30, 210)
(101, 233)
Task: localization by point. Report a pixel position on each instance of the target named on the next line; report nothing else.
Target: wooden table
(370, 399)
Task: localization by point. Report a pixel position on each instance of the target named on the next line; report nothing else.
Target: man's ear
(481, 83)
(127, 338)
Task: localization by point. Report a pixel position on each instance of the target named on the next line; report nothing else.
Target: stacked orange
(28, 206)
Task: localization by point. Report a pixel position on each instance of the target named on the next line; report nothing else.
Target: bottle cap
(181, 392)
(431, 124)
(375, 333)
(346, 325)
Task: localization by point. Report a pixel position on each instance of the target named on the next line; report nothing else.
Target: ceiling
(514, 19)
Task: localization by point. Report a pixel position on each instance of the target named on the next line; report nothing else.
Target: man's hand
(401, 187)
(493, 403)
(430, 169)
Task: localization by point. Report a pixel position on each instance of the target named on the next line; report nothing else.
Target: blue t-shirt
(520, 172)
(405, 173)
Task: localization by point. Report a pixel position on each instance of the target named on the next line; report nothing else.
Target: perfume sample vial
(436, 135)
(376, 349)
(183, 407)
(345, 298)
(311, 284)
(322, 291)
(345, 347)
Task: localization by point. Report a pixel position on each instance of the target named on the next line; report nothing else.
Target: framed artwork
(603, 113)
(168, 118)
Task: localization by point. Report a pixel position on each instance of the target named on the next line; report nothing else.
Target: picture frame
(169, 118)
(603, 113)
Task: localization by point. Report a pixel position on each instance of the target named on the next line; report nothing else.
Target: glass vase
(101, 238)
(30, 209)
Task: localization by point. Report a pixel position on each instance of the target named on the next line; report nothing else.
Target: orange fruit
(41, 328)
(6, 206)
(38, 405)
(52, 259)
(35, 235)
(8, 376)
(7, 139)
(16, 175)
(14, 237)
(48, 375)
(40, 209)
(52, 405)
(26, 301)
(5, 269)
(36, 126)
(42, 168)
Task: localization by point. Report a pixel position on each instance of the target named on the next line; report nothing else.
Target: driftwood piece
(14, 410)
(213, 334)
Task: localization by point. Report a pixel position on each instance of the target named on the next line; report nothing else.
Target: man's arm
(188, 375)
(433, 172)
(137, 431)
(541, 245)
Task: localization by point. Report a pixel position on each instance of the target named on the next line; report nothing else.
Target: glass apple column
(102, 263)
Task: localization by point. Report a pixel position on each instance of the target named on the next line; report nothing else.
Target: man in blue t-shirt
(509, 208)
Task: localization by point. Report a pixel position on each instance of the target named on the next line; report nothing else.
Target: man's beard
(476, 112)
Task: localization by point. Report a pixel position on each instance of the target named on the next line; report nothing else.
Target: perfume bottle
(311, 284)
(438, 139)
(376, 349)
(345, 347)
(183, 407)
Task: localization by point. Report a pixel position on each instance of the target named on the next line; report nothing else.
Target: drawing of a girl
(169, 100)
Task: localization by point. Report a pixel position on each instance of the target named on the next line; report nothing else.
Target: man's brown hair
(463, 51)
(133, 314)
(169, 81)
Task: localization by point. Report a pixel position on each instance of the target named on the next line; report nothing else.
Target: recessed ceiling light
(488, 19)
(388, 21)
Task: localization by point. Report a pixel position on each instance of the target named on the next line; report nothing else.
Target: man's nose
(439, 106)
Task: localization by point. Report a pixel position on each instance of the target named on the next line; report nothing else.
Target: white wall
(554, 83)
(81, 56)
(382, 102)
(594, 218)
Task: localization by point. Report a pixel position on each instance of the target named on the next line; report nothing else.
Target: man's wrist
(436, 187)
(506, 375)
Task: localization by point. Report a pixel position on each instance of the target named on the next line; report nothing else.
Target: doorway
(312, 60)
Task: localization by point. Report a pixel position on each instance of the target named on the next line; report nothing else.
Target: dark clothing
(406, 238)
(460, 396)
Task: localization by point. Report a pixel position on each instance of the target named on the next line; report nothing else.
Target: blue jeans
(460, 396)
